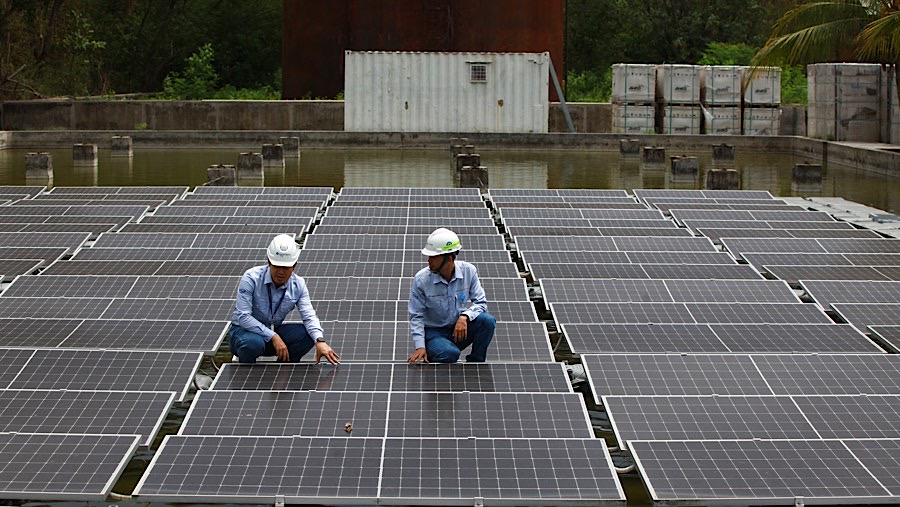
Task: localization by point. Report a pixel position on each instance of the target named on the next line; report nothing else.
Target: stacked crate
(678, 99)
(633, 95)
(845, 101)
(762, 101)
(720, 94)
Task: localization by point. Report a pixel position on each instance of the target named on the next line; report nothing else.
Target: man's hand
(419, 356)
(323, 350)
(281, 349)
(461, 329)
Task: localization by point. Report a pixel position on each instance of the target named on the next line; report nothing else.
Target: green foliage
(793, 84)
(229, 92)
(199, 78)
(589, 86)
(722, 53)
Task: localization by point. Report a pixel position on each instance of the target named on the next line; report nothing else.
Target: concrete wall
(258, 115)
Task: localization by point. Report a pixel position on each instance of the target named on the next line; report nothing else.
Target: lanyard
(276, 307)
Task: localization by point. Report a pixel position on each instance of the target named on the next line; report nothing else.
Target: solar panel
(862, 315)
(621, 313)
(656, 193)
(512, 311)
(796, 259)
(281, 413)
(237, 211)
(566, 243)
(19, 253)
(105, 200)
(94, 228)
(459, 377)
(123, 268)
(15, 267)
(353, 288)
(70, 286)
(35, 333)
(869, 259)
(681, 215)
(548, 257)
(738, 291)
(889, 335)
(395, 242)
(757, 313)
(179, 240)
(302, 201)
(516, 230)
(663, 244)
(44, 209)
(11, 362)
(162, 335)
(53, 308)
(185, 287)
(328, 310)
(206, 268)
(449, 222)
(54, 240)
(793, 338)
(344, 269)
(764, 224)
(831, 373)
(701, 271)
(852, 416)
(95, 412)
(72, 467)
(407, 256)
(706, 418)
(30, 191)
(880, 458)
(171, 309)
(212, 192)
(754, 471)
(104, 369)
(672, 375)
(680, 258)
(642, 231)
(421, 230)
(826, 292)
(402, 212)
(175, 190)
(639, 338)
(740, 246)
(793, 274)
(363, 341)
(557, 290)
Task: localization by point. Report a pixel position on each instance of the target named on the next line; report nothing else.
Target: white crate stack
(762, 101)
(633, 96)
(720, 94)
(844, 101)
(678, 99)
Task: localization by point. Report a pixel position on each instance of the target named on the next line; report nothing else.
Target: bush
(198, 81)
(589, 86)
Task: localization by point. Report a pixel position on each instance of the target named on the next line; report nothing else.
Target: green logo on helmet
(449, 245)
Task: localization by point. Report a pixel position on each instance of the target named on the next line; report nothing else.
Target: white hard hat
(440, 242)
(283, 251)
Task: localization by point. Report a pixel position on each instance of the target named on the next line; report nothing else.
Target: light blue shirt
(435, 302)
(260, 305)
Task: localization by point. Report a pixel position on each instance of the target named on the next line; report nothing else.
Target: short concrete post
(468, 149)
(473, 177)
(84, 154)
(291, 146)
(455, 149)
(38, 166)
(653, 155)
(221, 176)
(807, 173)
(630, 147)
(121, 147)
(250, 166)
(723, 152)
(273, 155)
(685, 166)
(462, 160)
(723, 179)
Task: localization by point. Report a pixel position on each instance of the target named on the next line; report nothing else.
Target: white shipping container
(633, 83)
(720, 85)
(723, 120)
(446, 92)
(633, 119)
(762, 86)
(761, 121)
(678, 84)
(679, 119)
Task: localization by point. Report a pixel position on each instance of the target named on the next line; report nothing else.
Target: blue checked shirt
(435, 302)
(260, 305)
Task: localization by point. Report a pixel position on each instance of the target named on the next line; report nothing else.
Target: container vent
(478, 73)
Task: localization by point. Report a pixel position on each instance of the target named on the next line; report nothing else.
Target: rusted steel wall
(317, 32)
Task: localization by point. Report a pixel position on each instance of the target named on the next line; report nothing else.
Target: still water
(431, 168)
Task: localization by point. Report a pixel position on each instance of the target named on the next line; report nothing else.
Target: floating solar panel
(826, 292)
(641, 338)
(95, 412)
(862, 315)
(642, 231)
(794, 338)
(568, 192)
(15, 267)
(474, 377)
(79, 267)
(53, 467)
(109, 370)
(656, 193)
(706, 418)
(511, 311)
(757, 313)
(287, 222)
(680, 258)
(394, 242)
(700, 271)
(328, 310)
(573, 291)
(566, 244)
(762, 224)
(362, 340)
(740, 246)
(835, 233)
(727, 232)
(344, 269)
(621, 313)
(138, 200)
(185, 287)
(436, 214)
(880, 458)
(681, 215)
(70, 286)
(449, 222)
(234, 229)
(205, 268)
(164, 335)
(447, 192)
(353, 288)
(237, 211)
(423, 230)
(796, 259)
(864, 259)
(53, 308)
(171, 309)
(548, 257)
(30, 334)
(852, 416)
(213, 192)
(575, 271)
(30, 191)
(552, 231)
(672, 375)
(417, 203)
(793, 274)
(280, 413)
(830, 373)
(406, 256)
(754, 471)
(663, 244)
(889, 335)
(302, 201)
(94, 229)
(68, 240)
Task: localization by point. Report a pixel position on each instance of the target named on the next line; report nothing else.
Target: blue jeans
(247, 346)
(441, 348)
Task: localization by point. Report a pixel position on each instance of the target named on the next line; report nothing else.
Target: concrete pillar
(462, 160)
(473, 177)
(291, 146)
(250, 166)
(38, 166)
(685, 166)
(807, 173)
(630, 147)
(273, 155)
(723, 179)
(653, 155)
(723, 152)
(84, 154)
(221, 176)
(121, 146)
(468, 149)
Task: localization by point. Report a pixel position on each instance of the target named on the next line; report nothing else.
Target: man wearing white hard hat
(447, 306)
(266, 295)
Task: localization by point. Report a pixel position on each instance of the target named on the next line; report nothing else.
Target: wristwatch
(320, 339)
